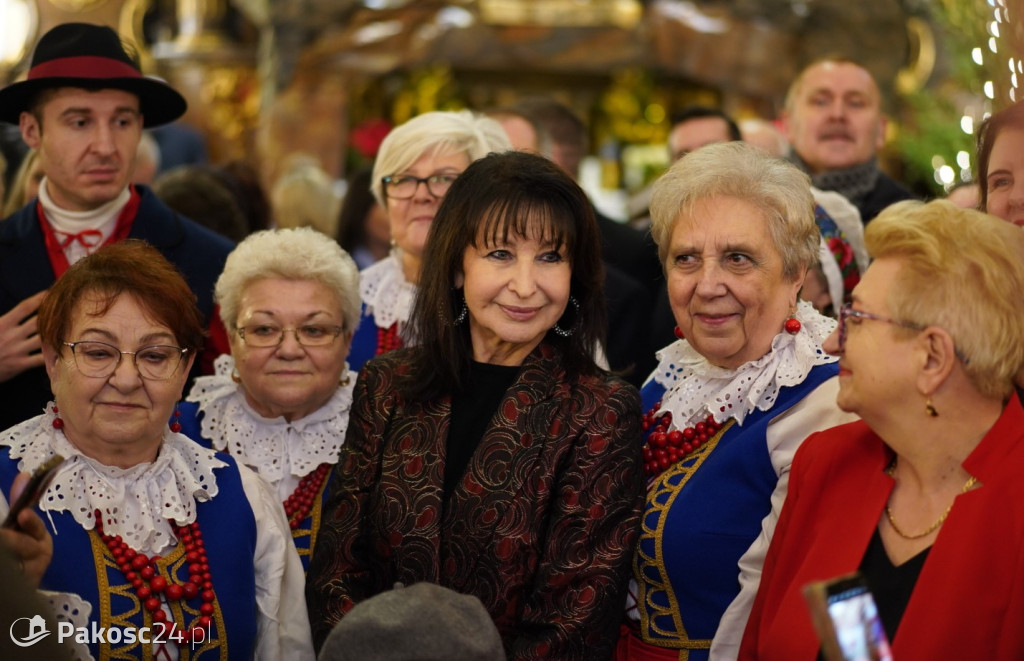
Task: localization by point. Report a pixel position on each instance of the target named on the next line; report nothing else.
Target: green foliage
(935, 131)
(931, 115)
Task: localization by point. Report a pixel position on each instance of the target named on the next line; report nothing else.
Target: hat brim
(159, 103)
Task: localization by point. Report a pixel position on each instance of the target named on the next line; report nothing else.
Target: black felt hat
(91, 57)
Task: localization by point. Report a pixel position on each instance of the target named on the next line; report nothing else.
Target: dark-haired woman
(416, 164)
(495, 458)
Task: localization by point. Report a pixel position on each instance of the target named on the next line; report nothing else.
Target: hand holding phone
(846, 619)
(33, 491)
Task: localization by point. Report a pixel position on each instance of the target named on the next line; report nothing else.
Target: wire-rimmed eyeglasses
(846, 312)
(404, 187)
(268, 335)
(95, 359)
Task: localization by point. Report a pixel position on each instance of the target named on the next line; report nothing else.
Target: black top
(472, 411)
(890, 584)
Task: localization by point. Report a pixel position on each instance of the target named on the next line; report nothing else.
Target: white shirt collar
(103, 219)
(385, 291)
(137, 503)
(695, 388)
(273, 447)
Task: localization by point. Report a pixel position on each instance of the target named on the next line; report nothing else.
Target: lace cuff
(71, 608)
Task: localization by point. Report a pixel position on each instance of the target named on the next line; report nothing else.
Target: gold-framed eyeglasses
(268, 335)
(158, 362)
(403, 187)
(846, 313)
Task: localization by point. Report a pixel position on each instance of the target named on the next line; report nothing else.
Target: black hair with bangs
(502, 195)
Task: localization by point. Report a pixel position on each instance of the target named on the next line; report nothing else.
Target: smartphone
(846, 619)
(37, 484)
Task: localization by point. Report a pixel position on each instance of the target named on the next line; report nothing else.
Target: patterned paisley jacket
(540, 528)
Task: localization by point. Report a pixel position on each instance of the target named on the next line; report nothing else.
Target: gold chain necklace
(932, 528)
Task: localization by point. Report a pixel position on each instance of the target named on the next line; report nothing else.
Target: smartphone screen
(858, 626)
(852, 628)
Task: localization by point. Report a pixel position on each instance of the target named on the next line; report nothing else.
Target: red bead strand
(298, 505)
(388, 339)
(663, 448)
(141, 572)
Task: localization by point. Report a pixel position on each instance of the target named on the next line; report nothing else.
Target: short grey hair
(301, 253)
(741, 171)
(461, 131)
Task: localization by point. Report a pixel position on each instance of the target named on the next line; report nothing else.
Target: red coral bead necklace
(388, 339)
(663, 448)
(299, 504)
(141, 572)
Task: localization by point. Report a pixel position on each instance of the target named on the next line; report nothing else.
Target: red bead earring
(792, 326)
(57, 422)
(175, 425)
(679, 332)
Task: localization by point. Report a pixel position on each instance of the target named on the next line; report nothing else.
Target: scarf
(854, 183)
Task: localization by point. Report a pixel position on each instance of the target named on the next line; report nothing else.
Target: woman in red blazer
(495, 458)
(924, 496)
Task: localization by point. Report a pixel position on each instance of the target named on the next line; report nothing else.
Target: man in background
(83, 108)
(696, 126)
(834, 123)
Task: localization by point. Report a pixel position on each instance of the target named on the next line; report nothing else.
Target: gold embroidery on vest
(171, 566)
(314, 518)
(647, 568)
(105, 567)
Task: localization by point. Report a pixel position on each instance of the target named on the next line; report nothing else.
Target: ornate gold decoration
(562, 13)
(129, 24)
(424, 91)
(77, 5)
(230, 97)
(17, 32)
(922, 57)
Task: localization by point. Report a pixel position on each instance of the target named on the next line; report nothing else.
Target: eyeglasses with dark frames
(403, 187)
(846, 312)
(158, 362)
(269, 335)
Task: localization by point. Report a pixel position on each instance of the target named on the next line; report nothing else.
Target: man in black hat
(83, 107)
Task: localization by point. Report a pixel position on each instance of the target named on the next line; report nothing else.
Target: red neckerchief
(55, 246)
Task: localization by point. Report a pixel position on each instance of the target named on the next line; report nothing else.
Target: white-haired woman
(280, 402)
(416, 164)
(731, 400)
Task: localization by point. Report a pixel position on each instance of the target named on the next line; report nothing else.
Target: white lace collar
(385, 291)
(694, 387)
(138, 502)
(273, 447)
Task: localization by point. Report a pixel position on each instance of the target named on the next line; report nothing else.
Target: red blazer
(968, 602)
(541, 527)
